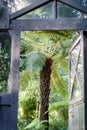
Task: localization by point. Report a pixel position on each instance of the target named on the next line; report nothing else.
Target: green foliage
(58, 81)
(58, 111)
(36, 125)
(58, 105)
(48, 44)
(28, 96)
(62, 62)
(58, 124)
(36, 60)
(27, 107)
(36, 46)
(58, 115)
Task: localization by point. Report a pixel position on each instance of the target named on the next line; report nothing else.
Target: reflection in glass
(44, 12)
(4, 60)
(80, 66)
(84, 2)
(74, 54)
(65, 11)
(71, 74)
(76, 69)
(76, 89)
(16, 5)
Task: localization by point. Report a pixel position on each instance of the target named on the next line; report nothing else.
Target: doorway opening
(36, 46)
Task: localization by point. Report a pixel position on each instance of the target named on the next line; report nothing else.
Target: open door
(78, 83)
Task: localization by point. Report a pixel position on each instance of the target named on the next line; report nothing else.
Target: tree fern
(43, 45)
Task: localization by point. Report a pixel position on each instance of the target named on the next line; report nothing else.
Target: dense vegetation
(35, 48)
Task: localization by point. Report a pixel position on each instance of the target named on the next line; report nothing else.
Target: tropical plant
(45, 55)
(58, 113)
(36, 125)
(28, 97)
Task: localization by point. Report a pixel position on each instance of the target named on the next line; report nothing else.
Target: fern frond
(58, 81)
(35, 60)
(63, 61)
(58, 105)
(36, 125)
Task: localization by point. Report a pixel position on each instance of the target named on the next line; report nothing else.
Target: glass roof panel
(85, 4)
(64, 11)
(18, 4)
(44, 12)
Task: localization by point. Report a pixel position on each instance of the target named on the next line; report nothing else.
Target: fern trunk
(45, 91)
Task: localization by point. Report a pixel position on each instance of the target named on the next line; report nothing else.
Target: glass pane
(85, 4)
(74, 53)
(71, 74)
(3, 4)
(80, 66)
(44, 12)
(4, 60)
(76, 90)
(65, 11)
(16, 5)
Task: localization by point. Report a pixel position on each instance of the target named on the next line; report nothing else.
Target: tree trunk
(45, 91)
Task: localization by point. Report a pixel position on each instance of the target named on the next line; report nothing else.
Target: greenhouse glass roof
(63, 12)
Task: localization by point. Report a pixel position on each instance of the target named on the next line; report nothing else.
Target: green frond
(58, 81)
(35, 60)
(63, 61)
(36, 125)
(32, 124)
(58, 105)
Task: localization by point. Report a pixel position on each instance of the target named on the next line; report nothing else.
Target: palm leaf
(35, 60)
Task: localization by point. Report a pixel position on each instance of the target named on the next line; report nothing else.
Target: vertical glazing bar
(54, 9)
